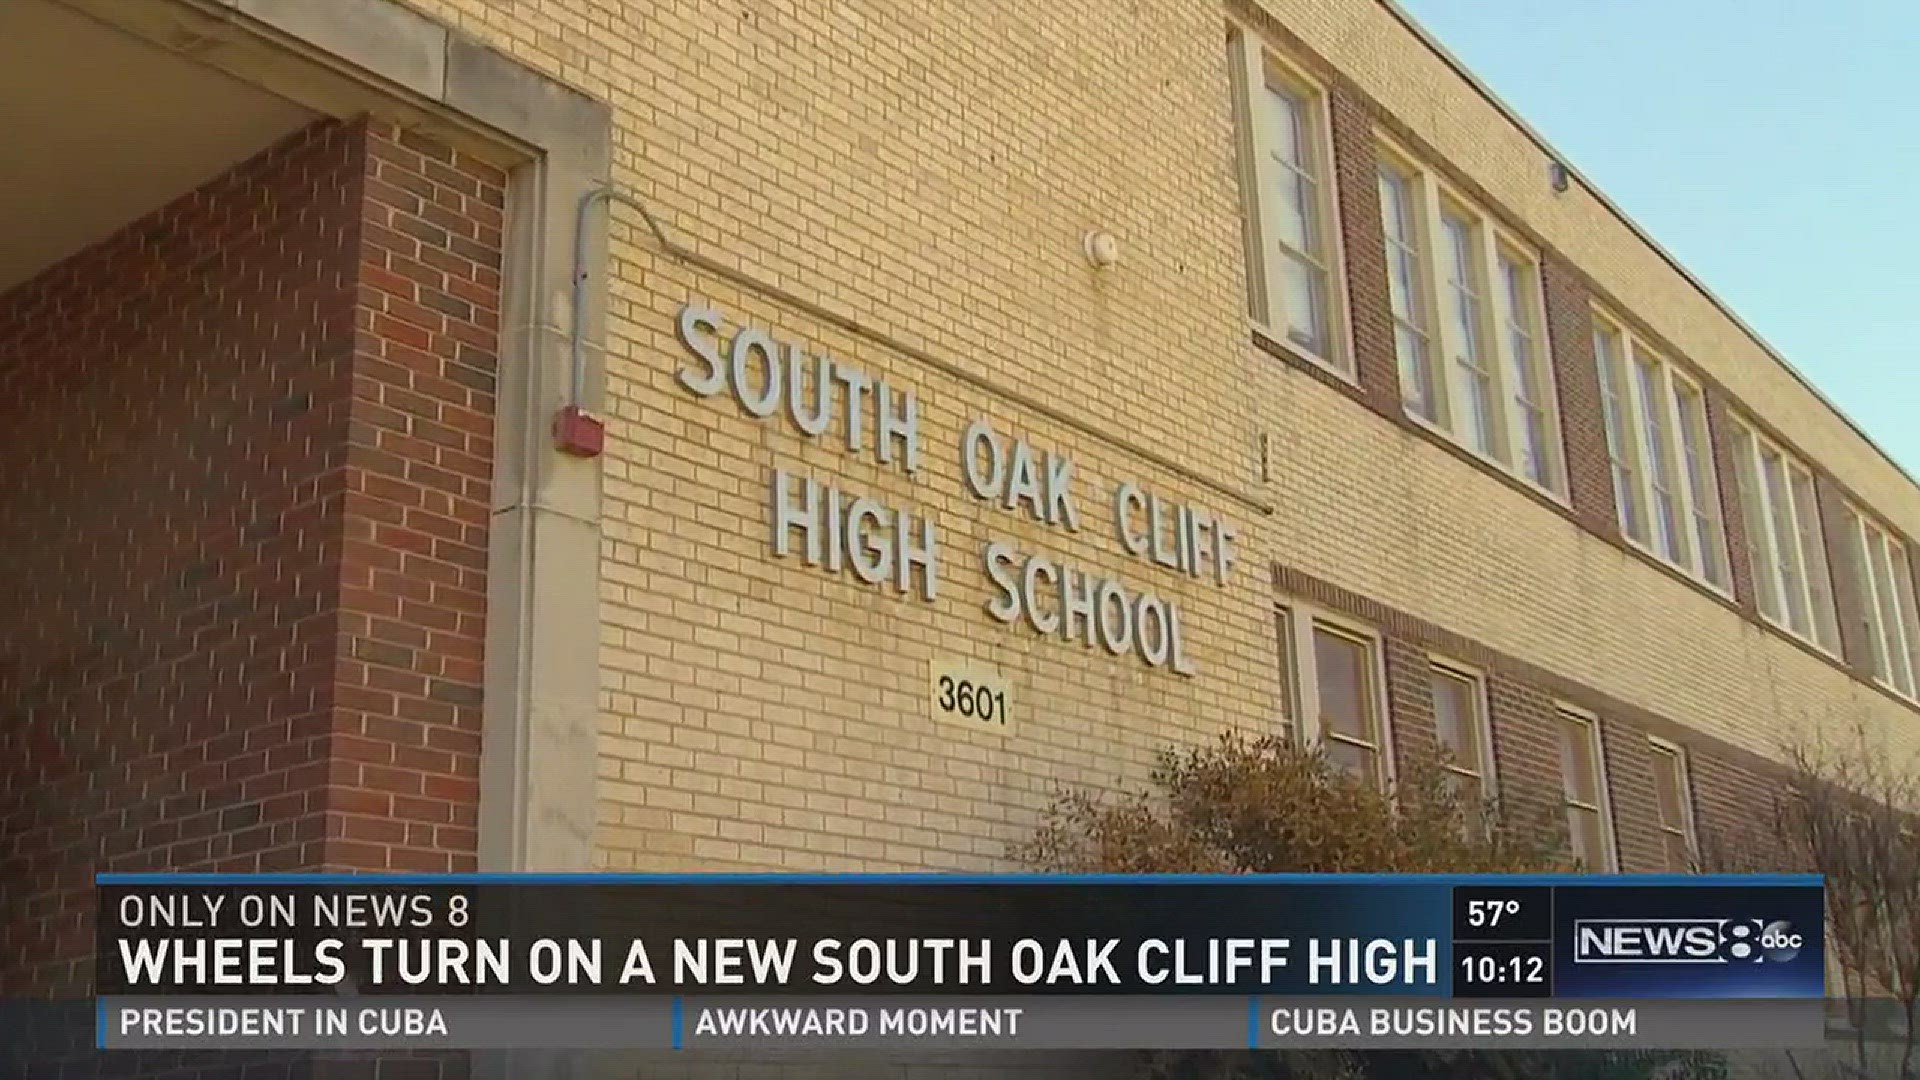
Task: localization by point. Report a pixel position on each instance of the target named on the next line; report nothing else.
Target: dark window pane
(1341, 666)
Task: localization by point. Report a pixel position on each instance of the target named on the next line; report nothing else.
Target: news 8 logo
(1685, 941)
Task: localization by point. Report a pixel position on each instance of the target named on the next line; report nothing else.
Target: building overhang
(104, 128)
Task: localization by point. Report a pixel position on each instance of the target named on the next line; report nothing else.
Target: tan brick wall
(1363, 39)
(761, 711)
(905, 166)
(1445, 541)
(1732, 791)
(928, 169)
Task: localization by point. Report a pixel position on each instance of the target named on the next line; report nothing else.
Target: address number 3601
(970, 694)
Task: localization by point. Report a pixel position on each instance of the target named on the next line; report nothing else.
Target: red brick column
(418, 465)
(1843, 560)
(245, 449)
(1735, 815)
(1416, 734)
(1356, 166)
(1526, 751)
(1720, 430)
(1633, 800)
(1576, 379)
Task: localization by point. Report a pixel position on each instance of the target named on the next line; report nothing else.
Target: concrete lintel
(491, 87)
(397, 43)
(346, 57)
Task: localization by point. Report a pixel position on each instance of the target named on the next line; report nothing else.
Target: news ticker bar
(1210, 1022)
(1464, 937)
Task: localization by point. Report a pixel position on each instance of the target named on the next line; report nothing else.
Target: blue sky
(1773, 146)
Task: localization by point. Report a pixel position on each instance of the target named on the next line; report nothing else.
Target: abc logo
(1775, 942)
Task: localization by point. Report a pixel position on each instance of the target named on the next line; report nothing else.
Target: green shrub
(1268, 805)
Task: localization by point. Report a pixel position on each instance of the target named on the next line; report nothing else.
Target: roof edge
(1460, 68)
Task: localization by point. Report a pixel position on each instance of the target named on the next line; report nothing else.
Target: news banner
(949, 961)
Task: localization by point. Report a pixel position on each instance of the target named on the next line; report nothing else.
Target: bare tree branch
(1848, 814)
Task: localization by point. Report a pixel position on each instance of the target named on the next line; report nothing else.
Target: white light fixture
(1102, 248)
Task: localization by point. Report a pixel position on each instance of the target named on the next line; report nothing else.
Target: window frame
(1292, 705)
(1251, 55)
(1864, 529)
(1620, 382)
(1701, 474)
(1687, 830)
(1432, 199)
(1422, 303)
(1596, 742)
(1440, 666)
(1533, 324)
(1301, 621)
(1750, 449)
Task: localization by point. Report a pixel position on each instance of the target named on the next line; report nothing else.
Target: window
(1460, 724)
(1886, 591)
(1791, 582)
(1468, 325)
(1407, 297)
(1469, 382)
(1608, 347)
(1664, 483)
(1337, 691)
(1706, 536)
(1583, 779)
(1289, 685)
(1533, 429)
(1674, 795)
(1287, 180)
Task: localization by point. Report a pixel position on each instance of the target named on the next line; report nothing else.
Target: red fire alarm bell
(577, 433)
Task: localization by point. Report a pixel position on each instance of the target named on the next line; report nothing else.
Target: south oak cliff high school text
(843, 531)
